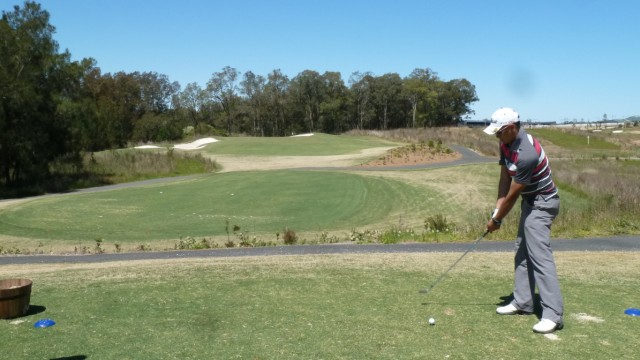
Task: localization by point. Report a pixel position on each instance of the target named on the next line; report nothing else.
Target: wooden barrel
(15, 295)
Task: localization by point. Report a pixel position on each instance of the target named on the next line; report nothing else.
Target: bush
(289, 237)
(438, 223)
(396, 235)
(190, 243)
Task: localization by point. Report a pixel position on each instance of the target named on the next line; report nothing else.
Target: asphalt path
(616, 243)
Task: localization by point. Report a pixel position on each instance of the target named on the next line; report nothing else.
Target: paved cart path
(617, 243)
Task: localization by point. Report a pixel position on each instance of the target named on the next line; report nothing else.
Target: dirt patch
(231, 163)
(7, 203)
(584, 318)
(379, 157)
(552, 337)
(413, 155)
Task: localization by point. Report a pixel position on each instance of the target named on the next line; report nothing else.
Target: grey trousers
(534, 262)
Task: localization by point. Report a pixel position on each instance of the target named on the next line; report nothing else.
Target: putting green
(258, 202)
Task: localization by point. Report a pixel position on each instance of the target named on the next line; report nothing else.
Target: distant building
(474, 123)
(485, 122)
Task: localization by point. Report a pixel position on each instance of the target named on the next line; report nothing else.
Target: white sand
(147, 147)
(198, 144)
(311, 134)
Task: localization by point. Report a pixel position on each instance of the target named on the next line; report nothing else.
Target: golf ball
(432, 321)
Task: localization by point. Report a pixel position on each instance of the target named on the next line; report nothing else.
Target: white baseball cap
(501, 118)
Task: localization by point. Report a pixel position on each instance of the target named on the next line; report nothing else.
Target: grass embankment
(319, 307)
(121, 166)
(115, 167)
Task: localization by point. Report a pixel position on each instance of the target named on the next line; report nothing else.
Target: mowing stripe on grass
(257, 202)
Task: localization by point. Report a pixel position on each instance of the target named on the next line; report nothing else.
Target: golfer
(525, 172)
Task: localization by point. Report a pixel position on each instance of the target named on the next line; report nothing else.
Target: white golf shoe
(546, 326)
(510, 310)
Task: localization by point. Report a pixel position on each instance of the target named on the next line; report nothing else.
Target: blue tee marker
(44, 323)
(632, 312)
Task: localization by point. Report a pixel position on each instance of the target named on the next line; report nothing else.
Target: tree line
(55, 109)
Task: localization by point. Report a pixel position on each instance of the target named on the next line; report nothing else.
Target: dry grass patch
(572, 265)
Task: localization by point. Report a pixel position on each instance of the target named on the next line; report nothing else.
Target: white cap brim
(491, 129)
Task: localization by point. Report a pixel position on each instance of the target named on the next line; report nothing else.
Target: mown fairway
(258, 202)
(319, 307)
(316, 145)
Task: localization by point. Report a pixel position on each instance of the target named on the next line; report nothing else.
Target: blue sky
(550, 60)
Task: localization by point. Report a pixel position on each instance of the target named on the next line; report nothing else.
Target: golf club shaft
(428, 289)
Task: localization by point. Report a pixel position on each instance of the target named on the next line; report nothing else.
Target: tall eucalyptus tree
(276, 96)
(253, 87)
(223, 88)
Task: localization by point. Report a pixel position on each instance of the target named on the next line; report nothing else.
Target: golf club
(428, 289)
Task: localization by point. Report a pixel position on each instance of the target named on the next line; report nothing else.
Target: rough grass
(319, 307)
(608, 194)
(574, 139)
(472, 138)
(119, 166)
(598, 187)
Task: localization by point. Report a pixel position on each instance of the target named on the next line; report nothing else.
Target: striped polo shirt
(527, 164)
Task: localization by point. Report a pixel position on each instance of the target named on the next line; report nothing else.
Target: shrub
(190, 243)
(438, 223)
(396, 235)
(289, 237)
(98, 249)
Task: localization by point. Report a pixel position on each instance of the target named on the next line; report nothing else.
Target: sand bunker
(196, 145)
(147, 147)
(311, 134)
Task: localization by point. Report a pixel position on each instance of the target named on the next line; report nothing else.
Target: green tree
(34, 80)
(276, 97)
(223, 89)
(119, 105)
(457, 97)
(156, 91)
(387, 100)
(253, 86)
(156, 127)
(190, 101)
(306, 90)
(334, 106)
(361, 85)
